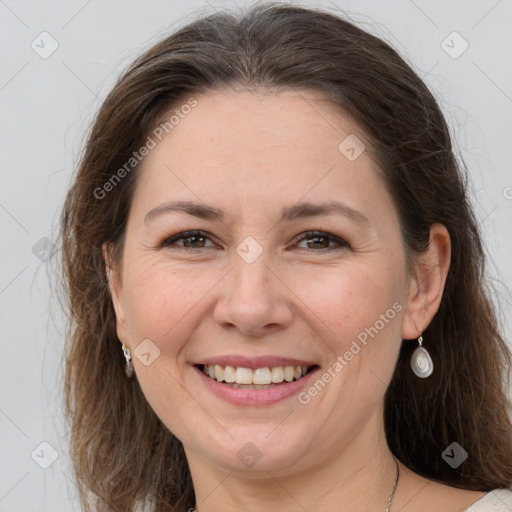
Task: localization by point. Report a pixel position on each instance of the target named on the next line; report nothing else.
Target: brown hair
(123, 455)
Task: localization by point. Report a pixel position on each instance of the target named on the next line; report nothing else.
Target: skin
(251, 154)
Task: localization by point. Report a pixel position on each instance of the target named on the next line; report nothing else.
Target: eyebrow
(298, 211)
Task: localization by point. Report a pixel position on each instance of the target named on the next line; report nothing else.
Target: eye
(191, 240)
(321, 240)
(198, 239)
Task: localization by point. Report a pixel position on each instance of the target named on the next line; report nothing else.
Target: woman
(276, 284)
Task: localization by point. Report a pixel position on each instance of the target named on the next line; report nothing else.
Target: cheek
(159, 298)
(162, 301)
(163, 305)
(347, 300)
(357, 315)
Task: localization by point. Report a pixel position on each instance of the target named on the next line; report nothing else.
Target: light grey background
(47, 104)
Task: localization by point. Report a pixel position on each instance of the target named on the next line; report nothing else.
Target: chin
(261, 448)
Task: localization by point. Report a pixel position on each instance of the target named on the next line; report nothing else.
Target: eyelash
(304, 236)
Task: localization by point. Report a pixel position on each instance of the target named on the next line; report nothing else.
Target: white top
(499, 500)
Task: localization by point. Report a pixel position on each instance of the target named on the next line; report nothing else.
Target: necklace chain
(395, 484)
(392, 495)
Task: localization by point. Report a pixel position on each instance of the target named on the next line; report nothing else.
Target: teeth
(242, 376)
(259, 376)
(289, 373)
(229, 374)
(277, 374)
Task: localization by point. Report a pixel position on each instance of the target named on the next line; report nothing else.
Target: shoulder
(499, 500)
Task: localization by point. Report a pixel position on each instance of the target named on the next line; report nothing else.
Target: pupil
(316, 239)
(187, 240)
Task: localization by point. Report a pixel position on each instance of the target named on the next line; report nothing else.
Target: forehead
(243, 122)
(258, 146)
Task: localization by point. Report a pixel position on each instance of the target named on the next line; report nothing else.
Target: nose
(254, 300)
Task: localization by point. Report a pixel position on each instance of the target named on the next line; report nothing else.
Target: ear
(427, 283)
(115, 286)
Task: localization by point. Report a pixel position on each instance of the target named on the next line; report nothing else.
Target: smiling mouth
(259, 378)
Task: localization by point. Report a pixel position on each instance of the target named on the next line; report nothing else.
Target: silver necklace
(390, 500)
(392, 495)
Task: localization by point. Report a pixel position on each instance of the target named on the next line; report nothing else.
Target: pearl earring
(129, 365)
(421, 362)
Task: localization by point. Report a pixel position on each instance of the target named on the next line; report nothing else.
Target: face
(263, 282)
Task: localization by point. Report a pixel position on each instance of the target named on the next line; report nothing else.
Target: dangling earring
(421, 362)
(129, 364)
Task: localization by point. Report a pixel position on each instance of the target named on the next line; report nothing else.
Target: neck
(359, 478)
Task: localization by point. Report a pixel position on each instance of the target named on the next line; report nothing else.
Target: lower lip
(255, 397)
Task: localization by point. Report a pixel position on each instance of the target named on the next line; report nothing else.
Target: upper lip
(253, 362)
